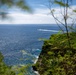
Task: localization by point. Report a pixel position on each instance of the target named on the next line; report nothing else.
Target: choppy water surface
(20, 44)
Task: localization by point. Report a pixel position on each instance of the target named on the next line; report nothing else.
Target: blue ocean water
(20, 44)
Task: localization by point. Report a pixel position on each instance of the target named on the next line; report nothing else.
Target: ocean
(20, 44)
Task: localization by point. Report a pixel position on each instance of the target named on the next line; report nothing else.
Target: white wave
(36, 56)
(36, 49)
(36, 59)
(36, 72)
(46, 30)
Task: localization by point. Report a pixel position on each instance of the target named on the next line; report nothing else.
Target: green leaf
(61, 3)
(74, 11)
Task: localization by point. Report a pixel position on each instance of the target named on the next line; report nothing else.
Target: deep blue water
(20, 44)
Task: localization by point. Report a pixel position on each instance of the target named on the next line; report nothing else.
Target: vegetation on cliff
(56, 57)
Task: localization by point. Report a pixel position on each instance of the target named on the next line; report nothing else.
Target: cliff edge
(56, 58)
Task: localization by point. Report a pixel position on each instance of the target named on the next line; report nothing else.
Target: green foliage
(4, 69)
(19, 3)
(21, 69)
(6, 4)
(61, 3)
(12, 70)
(56, 57)
(74, 11)
(61, 41)
(1, 57)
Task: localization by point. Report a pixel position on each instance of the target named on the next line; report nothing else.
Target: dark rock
(34, 68)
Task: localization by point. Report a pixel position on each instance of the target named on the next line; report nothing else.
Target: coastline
(35, 71)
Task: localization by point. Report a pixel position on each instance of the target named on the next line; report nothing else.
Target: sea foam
(46, 30)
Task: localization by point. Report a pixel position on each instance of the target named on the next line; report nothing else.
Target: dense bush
(56, 57)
